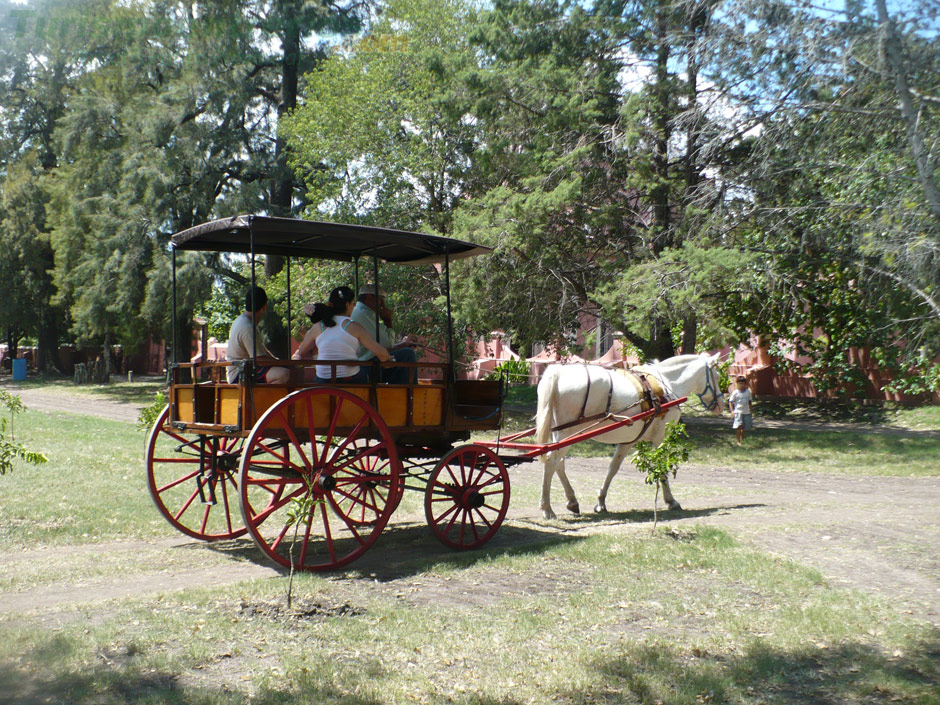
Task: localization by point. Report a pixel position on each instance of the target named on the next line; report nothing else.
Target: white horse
(575, 398)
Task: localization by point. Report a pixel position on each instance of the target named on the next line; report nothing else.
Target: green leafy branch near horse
(658, 462)
(10, 450)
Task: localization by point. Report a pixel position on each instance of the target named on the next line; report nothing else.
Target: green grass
(628, 619)
(93, 488)
(841, 452)
(686, 616)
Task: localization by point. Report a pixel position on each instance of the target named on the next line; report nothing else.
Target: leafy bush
(9, 448)
(515, 371)
(149, 414)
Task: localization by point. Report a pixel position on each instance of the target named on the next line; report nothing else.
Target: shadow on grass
(846, 673)
(404, 550)
(124, 680)
(646, 516)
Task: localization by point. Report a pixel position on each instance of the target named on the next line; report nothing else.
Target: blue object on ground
(19, 369)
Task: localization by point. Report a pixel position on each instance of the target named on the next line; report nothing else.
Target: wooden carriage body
(433, 413)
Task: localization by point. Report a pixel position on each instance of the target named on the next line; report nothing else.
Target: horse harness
(651, 393)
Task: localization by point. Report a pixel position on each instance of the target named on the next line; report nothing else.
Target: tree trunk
(106, 373)
(661, 120)
(660, 344)
(894, 57)
(184, 338)
(13, 342)
(282, 186)
(689, 334)
(47, 337)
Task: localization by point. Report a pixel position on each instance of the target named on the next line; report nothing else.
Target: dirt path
(877, 534)
(58, 400)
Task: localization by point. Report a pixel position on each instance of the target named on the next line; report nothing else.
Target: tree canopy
(693, 172)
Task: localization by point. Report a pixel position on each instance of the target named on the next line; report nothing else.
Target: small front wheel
(467, 497)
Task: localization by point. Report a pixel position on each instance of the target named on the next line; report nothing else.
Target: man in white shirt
(244, 333)
(371, 304)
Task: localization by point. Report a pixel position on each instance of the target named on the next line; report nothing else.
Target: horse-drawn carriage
(313, 472)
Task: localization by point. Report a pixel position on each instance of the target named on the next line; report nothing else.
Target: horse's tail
(548, 389)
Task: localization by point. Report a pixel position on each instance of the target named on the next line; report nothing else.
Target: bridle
(709, 387)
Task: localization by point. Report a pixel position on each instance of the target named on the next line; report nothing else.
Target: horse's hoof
(675, 506)
(574, 508)
(600, 509)
(548, 514)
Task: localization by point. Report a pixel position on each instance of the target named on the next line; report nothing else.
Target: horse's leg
(572, 505)
(667, 495)
(554, 463)
(549, 464)
(619, 454)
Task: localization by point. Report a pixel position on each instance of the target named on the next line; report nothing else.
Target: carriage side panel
(428, 406)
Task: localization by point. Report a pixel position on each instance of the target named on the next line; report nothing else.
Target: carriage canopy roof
(292, 237)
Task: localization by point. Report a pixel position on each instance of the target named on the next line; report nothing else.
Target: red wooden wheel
(193, 481)
(467, 497)
(318, 479)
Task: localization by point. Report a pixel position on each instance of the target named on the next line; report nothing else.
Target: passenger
(241, 335)
(372, 302)
(335, 336)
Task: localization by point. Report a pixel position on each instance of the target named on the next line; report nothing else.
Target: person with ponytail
(335, 336)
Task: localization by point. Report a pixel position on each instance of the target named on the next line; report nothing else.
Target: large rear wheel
(193, 481)
(467, 497)
(320, 478)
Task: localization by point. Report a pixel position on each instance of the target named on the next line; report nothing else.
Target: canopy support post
(175, 346)
(375, 283)
(254, 322)
(450, 319)
(290, 336)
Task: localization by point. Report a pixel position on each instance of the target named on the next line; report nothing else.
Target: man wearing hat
(371, 308)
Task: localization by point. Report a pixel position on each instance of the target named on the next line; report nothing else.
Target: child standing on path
(740, 402)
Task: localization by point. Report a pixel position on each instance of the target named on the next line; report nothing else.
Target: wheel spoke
(293, 437)
(187, 504)
(328, 440)
(178, 481)
(275, 505)
(326, 532)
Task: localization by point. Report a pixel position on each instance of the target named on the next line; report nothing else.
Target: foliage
(381, 134)
(658, 462)
(149, 414)
(516, 372)
(145, 119)
(724, 378)
(9, 448)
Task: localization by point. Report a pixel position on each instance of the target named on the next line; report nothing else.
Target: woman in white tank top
(336, 337)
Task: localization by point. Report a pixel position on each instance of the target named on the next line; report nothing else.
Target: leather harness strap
(650, 393)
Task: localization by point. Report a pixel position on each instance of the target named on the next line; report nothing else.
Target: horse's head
(711, 395)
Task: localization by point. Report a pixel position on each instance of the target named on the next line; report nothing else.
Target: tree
(842, 209)
(383, 135)
(36, 76)
(173, 122)
(592, 185)
(26, 259)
